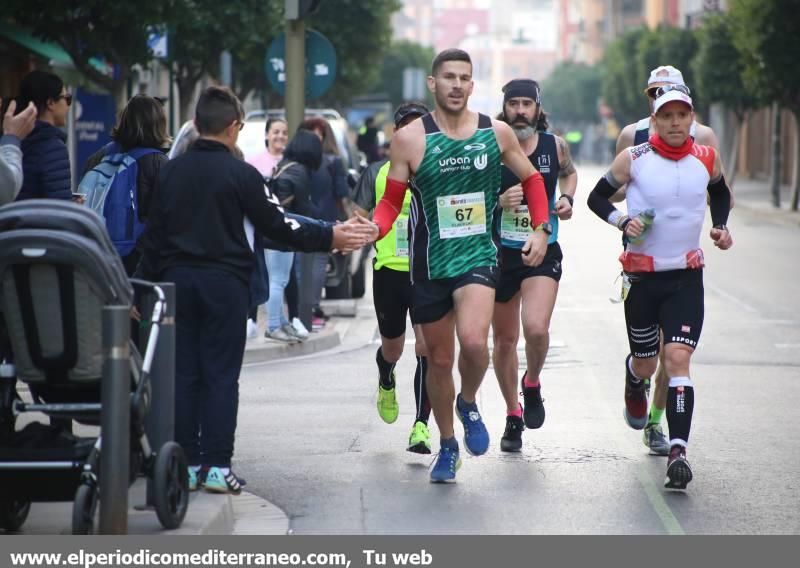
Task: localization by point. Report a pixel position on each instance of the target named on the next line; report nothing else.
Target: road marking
(654, 493)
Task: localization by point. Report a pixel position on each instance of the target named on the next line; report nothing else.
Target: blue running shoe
(447, 463)
(476, 437)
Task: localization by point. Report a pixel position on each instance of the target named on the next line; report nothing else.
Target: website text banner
(400, 551)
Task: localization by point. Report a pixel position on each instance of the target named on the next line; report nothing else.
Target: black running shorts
(431, 300)
(670, 301)
(513, 271)
(391, 293)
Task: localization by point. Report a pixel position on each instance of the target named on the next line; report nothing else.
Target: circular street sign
(320, 64)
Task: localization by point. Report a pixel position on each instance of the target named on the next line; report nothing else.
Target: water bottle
(646, 218)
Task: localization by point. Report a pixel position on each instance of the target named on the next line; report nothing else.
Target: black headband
(527, 88)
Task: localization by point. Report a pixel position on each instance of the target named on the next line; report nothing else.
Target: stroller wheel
(13, 512)
(171, 485)
(83, 509)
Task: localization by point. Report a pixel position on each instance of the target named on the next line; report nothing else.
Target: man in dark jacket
(45, 161)
(196, 238)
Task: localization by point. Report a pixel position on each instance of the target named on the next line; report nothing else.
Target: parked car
(346, 273)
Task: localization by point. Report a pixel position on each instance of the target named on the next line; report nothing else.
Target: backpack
(276, 173)
(111, 191)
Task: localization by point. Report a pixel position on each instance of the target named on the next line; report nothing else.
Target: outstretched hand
(348, 237)
(370, 228)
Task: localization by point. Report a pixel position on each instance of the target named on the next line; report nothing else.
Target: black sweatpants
(211, 312)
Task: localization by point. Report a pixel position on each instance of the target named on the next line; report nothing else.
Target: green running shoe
(388, 408)
(419, 442)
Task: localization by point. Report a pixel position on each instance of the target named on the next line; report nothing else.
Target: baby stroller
(58, 269)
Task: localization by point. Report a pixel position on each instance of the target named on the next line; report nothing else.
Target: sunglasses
(656, 92)
(67, 97)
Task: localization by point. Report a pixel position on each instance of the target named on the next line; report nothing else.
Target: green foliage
(571, 92)
(200, 30)
(767, 36)
(622, 85)
(400, 55)
(717, 67)
(114, 31)
(360, 32)
(629, 60)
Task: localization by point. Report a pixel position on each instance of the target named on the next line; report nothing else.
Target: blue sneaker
(476, 437)
(447, 463)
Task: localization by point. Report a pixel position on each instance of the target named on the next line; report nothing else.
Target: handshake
(354, 233)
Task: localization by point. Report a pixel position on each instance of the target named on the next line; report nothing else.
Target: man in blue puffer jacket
(45, 161)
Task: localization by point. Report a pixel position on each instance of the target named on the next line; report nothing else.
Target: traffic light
(298, 9)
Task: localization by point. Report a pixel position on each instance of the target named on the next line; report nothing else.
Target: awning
(50, 51)
(54, 54)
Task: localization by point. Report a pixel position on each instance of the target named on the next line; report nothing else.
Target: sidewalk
(208, 514)
(260, 350)
(211, 514)
(755, 196)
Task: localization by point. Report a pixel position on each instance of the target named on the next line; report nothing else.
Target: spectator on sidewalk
(276, 135)
(45, 159)
(142, 124)
(367, 141)
(292, 186)
(15, 129)
(330, 194)
(196, 238)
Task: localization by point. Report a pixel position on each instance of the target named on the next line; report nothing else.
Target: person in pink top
(276, 135)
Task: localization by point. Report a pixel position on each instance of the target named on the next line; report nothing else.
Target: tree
(200, 30)
(572, 91)
(622, 85)
(767, 35)
(400, 55)
(361, 32)
(114, 31)
(717, 71)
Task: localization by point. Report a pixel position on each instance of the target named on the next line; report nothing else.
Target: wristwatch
(722, 227)
(569, 198)
(546, 227)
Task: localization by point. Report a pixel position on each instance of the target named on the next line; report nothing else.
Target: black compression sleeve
(599, 199)
(720, 200)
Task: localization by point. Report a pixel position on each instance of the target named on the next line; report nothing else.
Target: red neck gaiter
(671, 152)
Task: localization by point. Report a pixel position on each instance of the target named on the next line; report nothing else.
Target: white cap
(670, 96)
(665, 74)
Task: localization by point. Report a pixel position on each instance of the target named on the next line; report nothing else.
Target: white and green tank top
(455, 192)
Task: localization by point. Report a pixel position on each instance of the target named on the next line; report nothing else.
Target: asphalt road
(310, 440)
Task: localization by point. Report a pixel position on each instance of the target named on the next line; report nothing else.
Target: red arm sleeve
(389, 206)
(536, 196)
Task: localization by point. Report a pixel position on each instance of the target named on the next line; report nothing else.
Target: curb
(764, 211)
(260, 350)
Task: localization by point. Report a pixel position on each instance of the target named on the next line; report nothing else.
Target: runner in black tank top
(538, 285)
